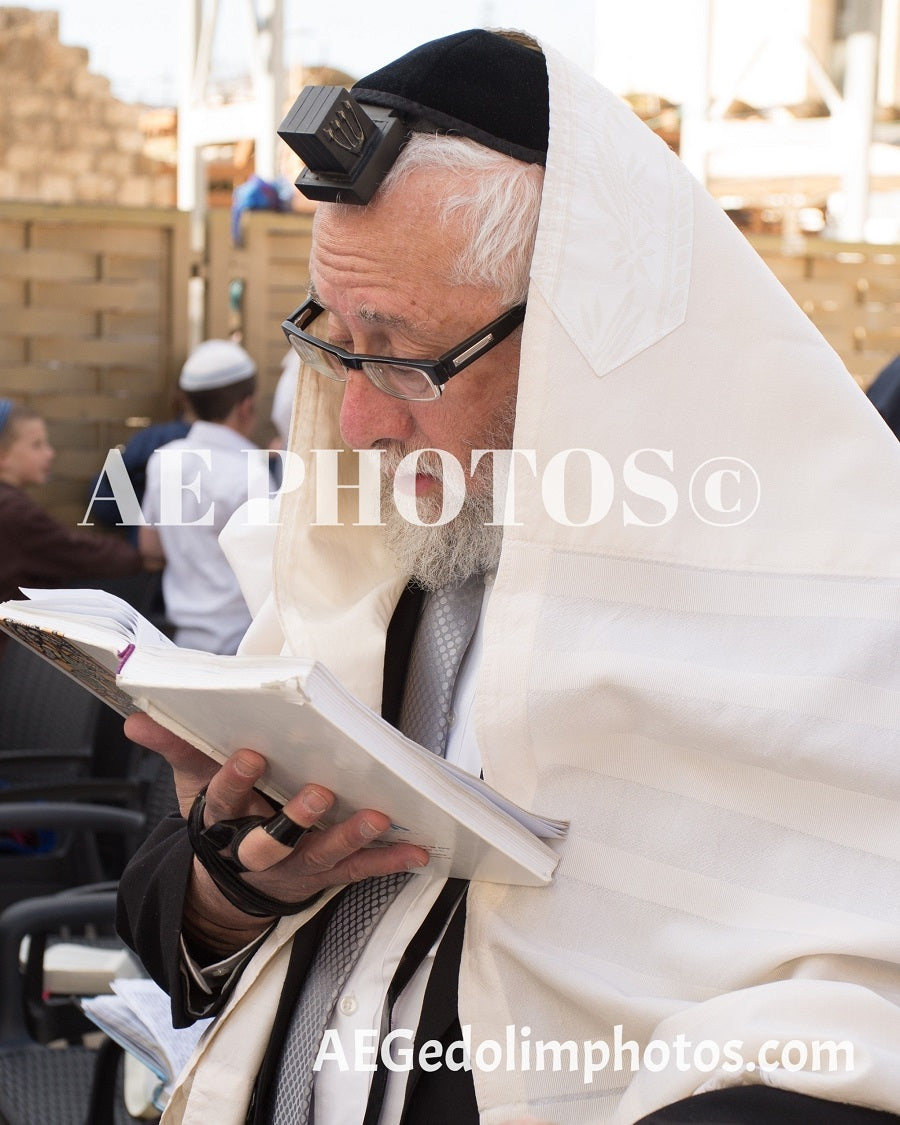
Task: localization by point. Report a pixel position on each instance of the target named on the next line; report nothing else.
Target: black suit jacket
(151, 897)
(884, 394)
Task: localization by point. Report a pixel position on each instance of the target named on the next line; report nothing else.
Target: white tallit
(715, 708)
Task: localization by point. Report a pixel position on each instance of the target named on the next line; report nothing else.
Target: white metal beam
(857, 119)
(202, 121)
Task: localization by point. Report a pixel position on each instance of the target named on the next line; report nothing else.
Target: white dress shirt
(202, 595)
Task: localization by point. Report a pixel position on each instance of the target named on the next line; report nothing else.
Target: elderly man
(681, 644)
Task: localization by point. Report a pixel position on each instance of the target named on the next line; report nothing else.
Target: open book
(138, 1016)
(297, 715)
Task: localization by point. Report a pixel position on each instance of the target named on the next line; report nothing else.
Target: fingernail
(243, 767)
(415, 864)
(369, 830)
(315, 803)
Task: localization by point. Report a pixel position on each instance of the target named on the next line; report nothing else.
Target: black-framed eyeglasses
(417, 380)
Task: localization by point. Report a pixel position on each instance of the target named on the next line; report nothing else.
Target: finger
(229, 784)
(345, 850)
(325, 857)
(145, 731)
(283, 830)
(191, 768)
(231, 790)
(370, 862)
(260, 849)
(295, 878)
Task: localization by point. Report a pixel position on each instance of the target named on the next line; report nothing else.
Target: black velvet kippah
(475, 84)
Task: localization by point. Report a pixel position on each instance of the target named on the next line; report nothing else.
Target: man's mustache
(428, 463)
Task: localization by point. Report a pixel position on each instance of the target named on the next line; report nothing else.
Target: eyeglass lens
(401, 382)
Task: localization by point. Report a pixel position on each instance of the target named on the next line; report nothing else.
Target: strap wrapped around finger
(217, 849)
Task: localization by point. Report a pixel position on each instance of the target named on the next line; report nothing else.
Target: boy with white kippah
(194, 485)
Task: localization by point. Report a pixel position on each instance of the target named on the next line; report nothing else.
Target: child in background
(38, 550)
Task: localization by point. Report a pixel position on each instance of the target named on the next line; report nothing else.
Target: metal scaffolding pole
(695, 108)
(203, 121)
(858, 118)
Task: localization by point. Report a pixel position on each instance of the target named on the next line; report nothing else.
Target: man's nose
(369, 415)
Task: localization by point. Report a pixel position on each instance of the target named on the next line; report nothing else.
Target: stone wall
(63, 137)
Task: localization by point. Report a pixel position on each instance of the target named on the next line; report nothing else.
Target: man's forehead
(368, 312)
(387, 260)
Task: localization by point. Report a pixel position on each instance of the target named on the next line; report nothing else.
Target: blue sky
(135, 44)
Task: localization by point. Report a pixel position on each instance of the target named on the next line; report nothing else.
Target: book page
(113, 1015)
(138, 1017)
(152, 1007)
(546, 827)
(101, 609)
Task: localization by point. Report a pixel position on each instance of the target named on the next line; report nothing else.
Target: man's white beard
(439, 555)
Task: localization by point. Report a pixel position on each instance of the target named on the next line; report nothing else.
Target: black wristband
(226, 870)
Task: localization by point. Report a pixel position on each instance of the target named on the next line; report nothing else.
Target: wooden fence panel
(850, 292)
(92, 330)
(271, 271)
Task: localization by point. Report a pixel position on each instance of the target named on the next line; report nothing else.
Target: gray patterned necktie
(445, 629)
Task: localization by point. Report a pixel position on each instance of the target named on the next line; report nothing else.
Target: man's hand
(323, 858)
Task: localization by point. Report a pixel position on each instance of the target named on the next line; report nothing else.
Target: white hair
(496, 200)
